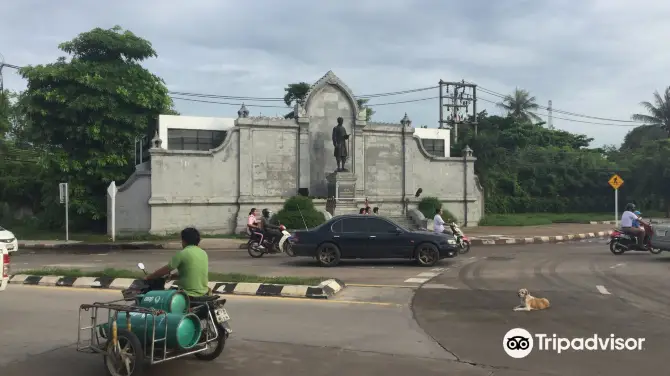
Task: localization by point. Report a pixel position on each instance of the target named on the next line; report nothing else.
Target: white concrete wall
(436, 134)
(166, 122)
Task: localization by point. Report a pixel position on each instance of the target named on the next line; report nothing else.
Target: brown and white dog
(531, 303)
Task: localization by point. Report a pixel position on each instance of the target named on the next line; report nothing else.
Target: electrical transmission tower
(458, 97)
(550, 117)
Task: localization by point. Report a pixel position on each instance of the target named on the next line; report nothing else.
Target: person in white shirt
(438, 222)
(627, 219)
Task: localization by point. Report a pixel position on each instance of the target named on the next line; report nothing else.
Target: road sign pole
(616, 207)
(111, 191)
(67, 215)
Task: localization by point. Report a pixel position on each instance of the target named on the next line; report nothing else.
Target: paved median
(220, 283)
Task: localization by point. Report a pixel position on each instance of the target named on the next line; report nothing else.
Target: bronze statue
(340, 138)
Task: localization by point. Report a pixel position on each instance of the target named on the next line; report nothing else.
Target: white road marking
(617, 265)
(439, 269)
(602, 290)
(438, 286)
(428, 275)
(416, 280)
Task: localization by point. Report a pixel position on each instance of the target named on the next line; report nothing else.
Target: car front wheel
(427, 254)
(328, 255)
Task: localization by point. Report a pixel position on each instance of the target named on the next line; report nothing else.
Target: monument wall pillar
(304, 166)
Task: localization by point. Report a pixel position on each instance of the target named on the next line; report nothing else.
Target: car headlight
(451, 241)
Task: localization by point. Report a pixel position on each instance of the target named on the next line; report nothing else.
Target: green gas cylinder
(171, 301)
(183, 330)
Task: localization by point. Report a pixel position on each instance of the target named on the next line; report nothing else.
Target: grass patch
(213, 276)
(538, 219)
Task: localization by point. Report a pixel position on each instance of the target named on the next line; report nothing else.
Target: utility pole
(455, 102)
(2, 65)
(550, 118)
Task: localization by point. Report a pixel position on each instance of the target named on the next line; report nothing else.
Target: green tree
(86, 113)
(658, 114)
(650, 172)
(295, 93)
(363, 103)
(644, 133)
(524, 167)
(520, 106)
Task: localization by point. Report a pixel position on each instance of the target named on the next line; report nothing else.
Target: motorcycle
(270, 246)
(138, 342)
(461, 240)
(620, 242)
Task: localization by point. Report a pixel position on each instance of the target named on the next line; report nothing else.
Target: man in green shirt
(191, 263)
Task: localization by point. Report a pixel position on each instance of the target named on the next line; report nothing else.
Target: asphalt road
(272, 336)
(365, 272)
(384, 272)
(469, 309)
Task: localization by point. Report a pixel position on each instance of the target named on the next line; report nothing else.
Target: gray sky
(593, 57)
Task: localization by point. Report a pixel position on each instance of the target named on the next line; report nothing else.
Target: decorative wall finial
(405, 122)
(243, 112)
(467, 152)
(156, 142)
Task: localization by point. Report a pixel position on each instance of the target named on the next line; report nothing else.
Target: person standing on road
(438, 222)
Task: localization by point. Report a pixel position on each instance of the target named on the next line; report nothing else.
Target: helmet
(630, 206)
(637, 213)
(266, 213)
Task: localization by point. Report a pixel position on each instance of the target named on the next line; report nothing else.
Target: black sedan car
(357, 236)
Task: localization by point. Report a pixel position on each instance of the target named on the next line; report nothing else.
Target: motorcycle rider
(270, 230)
(253, 228)
(191, 263)
(627, 227)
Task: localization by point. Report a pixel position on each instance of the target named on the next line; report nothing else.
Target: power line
(496, 94)
(371, 96)
(227, 103)
(573, 120)
(270, 99)
(286, 107)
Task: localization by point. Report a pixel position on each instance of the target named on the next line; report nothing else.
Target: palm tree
(659, 114)
(519, 105)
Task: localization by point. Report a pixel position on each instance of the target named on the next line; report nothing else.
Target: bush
(295, 210)
(428, 206)
(302, 202)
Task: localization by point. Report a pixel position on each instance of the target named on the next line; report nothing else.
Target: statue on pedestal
(341, 144)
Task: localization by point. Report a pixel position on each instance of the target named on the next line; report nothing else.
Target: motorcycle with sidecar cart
(152, 325)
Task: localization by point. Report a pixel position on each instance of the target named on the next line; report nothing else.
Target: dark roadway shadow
(387, 263)
(472, 323)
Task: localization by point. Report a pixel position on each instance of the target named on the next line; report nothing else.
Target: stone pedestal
(343, 186)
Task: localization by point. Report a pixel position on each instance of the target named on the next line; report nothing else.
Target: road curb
(540, 239)
(80, 246)
(325, 290)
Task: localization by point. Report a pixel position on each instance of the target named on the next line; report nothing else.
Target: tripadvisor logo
(519, 343)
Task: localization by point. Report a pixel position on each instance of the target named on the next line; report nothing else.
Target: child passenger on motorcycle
(636, 222)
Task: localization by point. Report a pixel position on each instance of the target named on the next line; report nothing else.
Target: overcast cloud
(593, 57)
